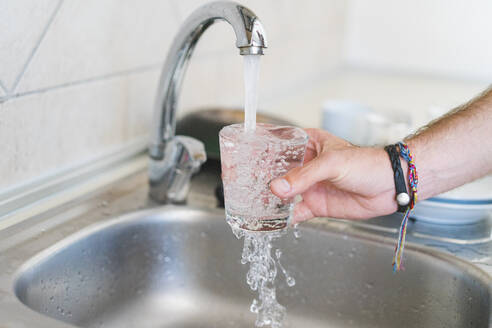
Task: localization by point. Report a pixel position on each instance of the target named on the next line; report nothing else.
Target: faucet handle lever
(193, 155)
(170, 177)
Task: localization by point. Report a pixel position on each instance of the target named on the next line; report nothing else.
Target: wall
(446, 38)
(78, 78)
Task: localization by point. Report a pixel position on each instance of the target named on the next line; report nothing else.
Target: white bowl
(448, 212)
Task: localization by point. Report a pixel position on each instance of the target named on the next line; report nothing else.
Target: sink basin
(179, 267)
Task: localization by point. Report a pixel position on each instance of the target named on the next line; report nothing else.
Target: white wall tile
(48, 131)
(201, 85)
(284, 19)
(89, 90)
(438, 37)
(94, 38)
(186, 7)
(293, 57)
(21, 25)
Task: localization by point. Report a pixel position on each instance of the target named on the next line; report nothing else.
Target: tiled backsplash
(78, 78)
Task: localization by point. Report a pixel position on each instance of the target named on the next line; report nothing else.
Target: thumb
(299, 179)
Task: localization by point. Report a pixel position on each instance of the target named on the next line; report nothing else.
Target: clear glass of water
(250, 160)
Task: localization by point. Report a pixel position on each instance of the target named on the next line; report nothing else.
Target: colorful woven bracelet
(413, 181)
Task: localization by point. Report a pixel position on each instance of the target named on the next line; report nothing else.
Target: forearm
(455, 149)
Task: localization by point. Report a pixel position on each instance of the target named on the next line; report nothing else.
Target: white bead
(403, 199)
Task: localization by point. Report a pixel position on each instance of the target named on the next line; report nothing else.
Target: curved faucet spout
(174, 159)
(250, 39)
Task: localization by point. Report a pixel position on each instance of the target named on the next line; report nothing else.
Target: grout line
(36, 47)
(4, 88)
(136, 70)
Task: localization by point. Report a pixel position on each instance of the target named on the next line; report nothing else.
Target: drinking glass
(250, 160)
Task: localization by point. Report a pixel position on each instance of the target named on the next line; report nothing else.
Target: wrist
(388, 178)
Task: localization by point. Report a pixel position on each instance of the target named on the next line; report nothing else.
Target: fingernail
(281, 186)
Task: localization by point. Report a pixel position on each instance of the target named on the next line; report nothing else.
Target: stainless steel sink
(179, 267)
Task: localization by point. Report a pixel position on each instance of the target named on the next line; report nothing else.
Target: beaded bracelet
(413, 181)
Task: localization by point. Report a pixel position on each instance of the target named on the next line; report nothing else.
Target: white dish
(359, 124)
(347, 119)
(447, 212)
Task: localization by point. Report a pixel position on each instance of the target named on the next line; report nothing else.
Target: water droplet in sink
(290, 281)
(297, 233)
(167, 259)
(254, 306)
(369, 285)
(278, 253)
(52, 298)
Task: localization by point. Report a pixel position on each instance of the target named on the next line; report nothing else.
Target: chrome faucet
(174, 159)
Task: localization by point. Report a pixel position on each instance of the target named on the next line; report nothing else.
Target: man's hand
(344, 181)
(339, 180)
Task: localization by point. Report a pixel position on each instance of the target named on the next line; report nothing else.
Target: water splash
(263, 268)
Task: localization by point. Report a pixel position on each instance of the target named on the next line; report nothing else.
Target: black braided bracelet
(402, 197)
